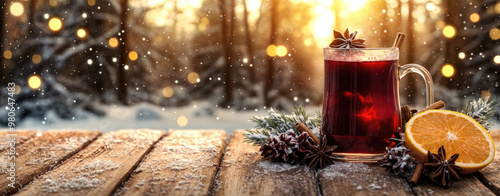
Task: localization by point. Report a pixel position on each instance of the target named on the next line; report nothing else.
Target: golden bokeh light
(17, 9)
(168, 92)
(354, 5)
(34, 82)
(193, 78)
(133, 55)
(36, 58)
(496, 59)
(307, 42)
(497, 8)
(495, 33)
(113, 42)
(17, 89)
(486, 94)
(448, 70)
(461, 55)
(271, 50)
(281, 51)
(81, 33)
(7, 54)
(322, 25)
(182, 121)
(474, 17)
(55, 24)
(449, 31)
(91, 2)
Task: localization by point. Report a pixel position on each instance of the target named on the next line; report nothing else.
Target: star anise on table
(320, 155)
(347, 40)
(441, 169)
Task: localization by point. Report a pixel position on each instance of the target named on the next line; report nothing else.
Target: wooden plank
(490, 175)
(38, 155)
(243, 172)
(183, 163)
(344, 178)
(468, 183)
(99, 168)
(20, 135)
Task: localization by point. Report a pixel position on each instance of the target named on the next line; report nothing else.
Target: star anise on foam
(441, 169)
(320, 155)
(347, 40)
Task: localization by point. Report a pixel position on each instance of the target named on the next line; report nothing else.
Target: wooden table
(194, 162)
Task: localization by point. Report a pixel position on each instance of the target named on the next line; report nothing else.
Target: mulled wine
(360, 111)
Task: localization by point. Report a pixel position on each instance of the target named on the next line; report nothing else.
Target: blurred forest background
(71, 56)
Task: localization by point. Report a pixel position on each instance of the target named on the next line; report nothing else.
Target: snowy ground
(200, 115)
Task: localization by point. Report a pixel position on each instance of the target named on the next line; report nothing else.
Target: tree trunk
(270, 61)
(122, 83)
(249, 45)
(227, 41)
(3, 7)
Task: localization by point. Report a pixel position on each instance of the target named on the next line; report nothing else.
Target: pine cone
(397, 160)
(287, 147)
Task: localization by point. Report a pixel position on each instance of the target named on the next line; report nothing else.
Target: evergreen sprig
(481, 110)
(276, 123)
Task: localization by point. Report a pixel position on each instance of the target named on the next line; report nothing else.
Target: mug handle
(420, 70)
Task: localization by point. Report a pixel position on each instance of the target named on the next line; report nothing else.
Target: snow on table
(196, 162)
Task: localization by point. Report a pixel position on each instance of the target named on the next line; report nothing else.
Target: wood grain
(38, 155)
(344, 178)
(99, 168)
(183, 163)
(21, 136)
(243, 172)
(490, 175)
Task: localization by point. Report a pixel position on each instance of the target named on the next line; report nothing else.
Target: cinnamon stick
(416, 175)
(405, 113)
(399, 40)
(438, 105)
(303, 128)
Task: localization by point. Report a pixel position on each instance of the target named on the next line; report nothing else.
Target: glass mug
(361, 108)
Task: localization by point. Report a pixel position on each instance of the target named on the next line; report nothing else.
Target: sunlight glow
(448, 70)
(34, 82)
(168, 92)
(17, 9)
(449, 31)
(55, 24)
(474, 17)
(7, 54)
(193, 78)
(133, 55)
(113, 42)
(322, 25)
(353, 5)
(271, 50)
(253, 5)
(36, 58)
(182, 121)
(281, 51)
(81, 33)
(495, 33)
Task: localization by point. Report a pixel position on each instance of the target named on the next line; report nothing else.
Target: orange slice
(459, 133)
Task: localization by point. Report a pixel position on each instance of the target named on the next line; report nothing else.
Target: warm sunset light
(281, 51)
(16, 9)
(354, 5)
(449, 31)
(271, 50)
(7, 54)
(36, 58)
(448, 70)
(168, 92)
(322, 25)
(193, 78)
(474, 17)
(55, 24)
(495, 33)
(34, 82)
(81, 33)
(113, 42)
(182, 121)
(133, 55)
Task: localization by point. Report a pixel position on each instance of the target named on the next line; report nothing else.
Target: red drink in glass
(361, 105)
